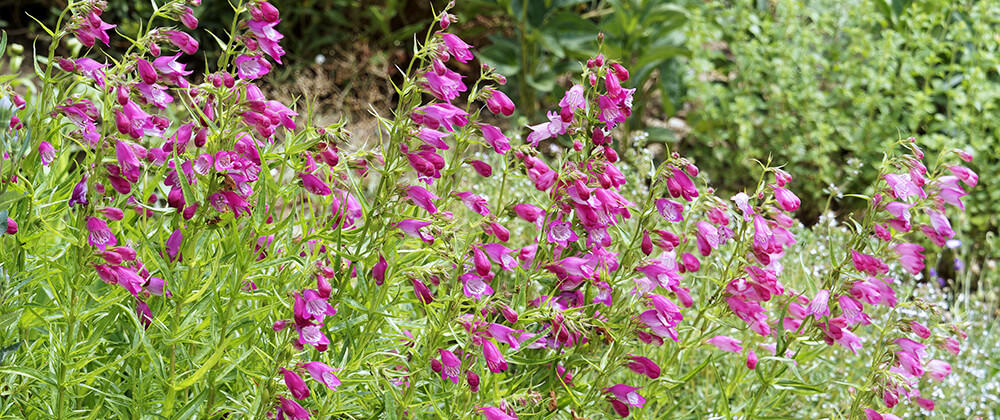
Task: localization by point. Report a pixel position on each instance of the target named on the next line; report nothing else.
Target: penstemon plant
(269, 268)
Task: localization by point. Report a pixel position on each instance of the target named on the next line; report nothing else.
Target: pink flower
(670, 210)
(528, 212)
(100, 235)
(451, 364)
(251, 68)
(440, 115)
(968, 176)
(174, 245)
(920, 330)
(268, 38)
(644, 366)
(184, 42)
(457, 48)
(291, 409)
(171, 70)
(89, 27)
(46, 152)
(482, 168)
(627, 395)
(708, 238)
(924, 403)
(444, 85)
(422, 198)
(415, 228)
(787, 199)
(743, 203)
(312, 335)
(819, 306)
(422, 292)
(323, 374)
(493, 413)
(495, 138)
(561, 233)
(378, 271)
(725, 343)
(474, 286)
(295, 384)
(910, 256)
(494, 358)
(11, 226)
(752, 360)
(938, 370)
(474, 202)
(498, 102)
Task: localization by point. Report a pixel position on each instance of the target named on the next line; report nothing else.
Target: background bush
(824, 86)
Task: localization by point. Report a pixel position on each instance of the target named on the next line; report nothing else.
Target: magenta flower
(268, 38)
(450, 365)
(323, 374)
(561, 233)
(691, 263)
(143, 313)
(920, 330)
(752, 360)
(924, 403)
(528, 212)
(662, 319)
(89, 28)
(422, 291)
(100, 235)
(378, 271)
(493, 413)
(346, 208)
(183, 41)
(708, 238)
(295, 384)
(292, 409)
(644, 366)
(474, 286)
(440, 115)
(457, 48)
(314, 184)
(498, 102)
(911, 256)
(474, 202)
(819, 306)
(494, 358)
(495, 138)
(444, 84)
(472, 379)
(433, 138)
(46, 152)
(171, 70)
(938, 370)
(627, 395)
(671, 210)
(482, 168)
(312, 335)
(422, 198)
(415, 228)
(174, 245)
(725, 343)
(252, 67)
(11, 226)
(787, 199)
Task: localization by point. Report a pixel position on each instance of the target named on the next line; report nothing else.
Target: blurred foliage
(550, 38)
(825, 85)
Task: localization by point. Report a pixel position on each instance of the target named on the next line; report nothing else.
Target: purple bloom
(295, 384)
(291, 409)
(313, 184)
(495, 138)
(184, 42)
(422, 198)
(644, 366)
(457, 48)
(323, 374)
(174, 245)
(498, 102)
(725, 343)
(100, 235)
(415, 228)
(251, 67)
(494, 358)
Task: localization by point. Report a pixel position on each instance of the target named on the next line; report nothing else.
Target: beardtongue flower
(498, 102)
(174, 245)
(378, 271)
(494, 358)
(323, 374)
(493, 413)
(819, 306)
(482, 168)
(415, 228)
(725, 343)
(644, 366)
(252, 67)
(450, 365)
(626, 395)
(457, 48)
(292, 409)
(11, 226)
(295, 384)
(46, 152)
(495, 138)
(100, 235)
(786, 199)
(422, 291)
(751, 360)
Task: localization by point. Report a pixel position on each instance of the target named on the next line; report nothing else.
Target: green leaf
(797, 387)
(190, 410)
(205, 367)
